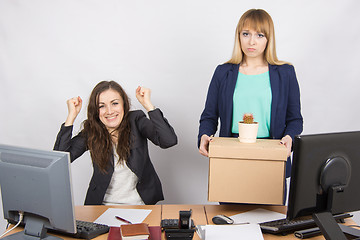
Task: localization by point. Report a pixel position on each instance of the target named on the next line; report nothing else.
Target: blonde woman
(253, 80)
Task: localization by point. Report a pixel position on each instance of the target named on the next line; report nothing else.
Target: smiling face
(253, 43)
(111, 110)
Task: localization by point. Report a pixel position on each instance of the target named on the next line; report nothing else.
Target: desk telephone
(182, 228)
(172, 224)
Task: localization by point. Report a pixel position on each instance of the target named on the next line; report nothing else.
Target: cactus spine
(248, 118)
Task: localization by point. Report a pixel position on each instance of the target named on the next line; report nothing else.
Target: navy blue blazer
(286, 118)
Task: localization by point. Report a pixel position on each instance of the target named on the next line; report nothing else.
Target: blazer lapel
(275, 85)
(233, 76)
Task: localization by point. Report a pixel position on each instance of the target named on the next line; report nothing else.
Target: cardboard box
(246, 172)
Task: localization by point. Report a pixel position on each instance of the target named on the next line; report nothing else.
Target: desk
(201, 214)
(229, 210)
(91, 213)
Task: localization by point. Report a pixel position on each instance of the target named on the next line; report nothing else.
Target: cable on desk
(21, 215)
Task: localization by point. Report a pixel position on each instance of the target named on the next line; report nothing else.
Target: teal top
(253, 95)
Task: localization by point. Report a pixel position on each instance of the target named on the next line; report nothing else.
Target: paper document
(132, 215)
(233, 232)
(200, 230)
(258, 215)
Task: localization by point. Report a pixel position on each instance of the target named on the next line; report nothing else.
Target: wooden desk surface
(229, 210)
(91, 213)
(201, 214)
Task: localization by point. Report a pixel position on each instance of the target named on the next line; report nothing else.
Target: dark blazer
(156, 129)
(286, 116)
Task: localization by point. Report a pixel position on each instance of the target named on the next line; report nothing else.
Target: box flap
(266, 149)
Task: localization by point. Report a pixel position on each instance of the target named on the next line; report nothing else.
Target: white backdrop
(51, 50)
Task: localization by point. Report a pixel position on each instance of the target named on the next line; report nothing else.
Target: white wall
(52, 50)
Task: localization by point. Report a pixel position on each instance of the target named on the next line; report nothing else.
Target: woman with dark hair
(255, 81)
(117, 140)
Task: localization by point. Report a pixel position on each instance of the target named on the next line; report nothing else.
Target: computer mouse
(222, 219)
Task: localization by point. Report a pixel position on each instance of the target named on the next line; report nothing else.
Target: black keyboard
(284, 226)
(84, 230)
(89, 230)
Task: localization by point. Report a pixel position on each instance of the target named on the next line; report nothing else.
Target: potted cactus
(248, 129)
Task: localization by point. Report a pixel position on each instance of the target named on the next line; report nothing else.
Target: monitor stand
(34, 230)
(334, 178)
(331, 229)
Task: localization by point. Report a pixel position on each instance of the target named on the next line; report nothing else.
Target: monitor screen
(37, 183)
(325, 174)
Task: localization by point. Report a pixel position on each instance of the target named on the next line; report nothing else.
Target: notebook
(135, 231)
(115, 233)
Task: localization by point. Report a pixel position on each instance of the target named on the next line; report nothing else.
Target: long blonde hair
(260, 21)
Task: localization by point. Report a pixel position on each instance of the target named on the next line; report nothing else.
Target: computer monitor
(37, 183)
(325, 178)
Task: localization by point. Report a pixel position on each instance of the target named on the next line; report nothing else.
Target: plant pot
(248, 132)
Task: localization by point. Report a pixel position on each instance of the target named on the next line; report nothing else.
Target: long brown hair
(259, 20)
(98, 137)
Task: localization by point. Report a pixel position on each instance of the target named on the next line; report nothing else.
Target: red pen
(122, 219)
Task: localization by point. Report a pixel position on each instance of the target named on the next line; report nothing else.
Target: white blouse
(122, 187)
